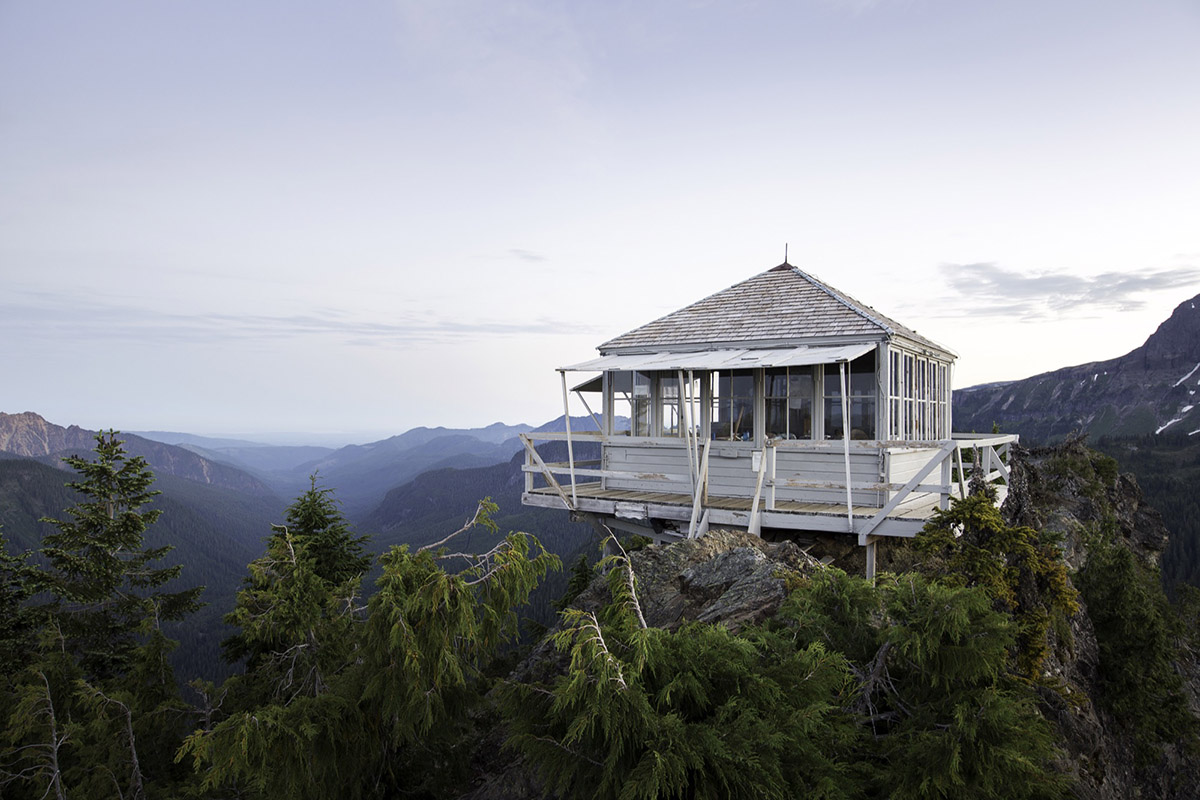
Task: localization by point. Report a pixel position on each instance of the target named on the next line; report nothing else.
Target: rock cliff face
(737, 580)
(1056, 489)
(1148, 390)
(29, 435)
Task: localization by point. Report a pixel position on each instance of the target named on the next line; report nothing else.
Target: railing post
(567, 422)
(528, 474)
(755, 526)
(771, 488)
(947, 482)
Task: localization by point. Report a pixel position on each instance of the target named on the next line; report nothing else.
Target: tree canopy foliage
(915, 685)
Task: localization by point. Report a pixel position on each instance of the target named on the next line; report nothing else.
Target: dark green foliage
(1021, 570)
(1167, 467)
(581, 575)
(341, 700)
(19, 581)
(311, 561)
(698, 712)
(105, 590)
(319, 528)
(930, 666)
(1135, 628)
(95, 711)
(895, 690)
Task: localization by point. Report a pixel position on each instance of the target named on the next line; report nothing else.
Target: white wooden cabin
(733, 411)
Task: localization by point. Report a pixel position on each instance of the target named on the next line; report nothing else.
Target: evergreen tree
(1021, 570)
(1136, 630)
(698, 712)
(317, 526)
(944, 716)
(19, 582)
(344, 701)
(95, 711)
(310, 560)
(105, 590)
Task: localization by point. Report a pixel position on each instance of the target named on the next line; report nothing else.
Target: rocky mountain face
(1149, 390)
(29, 435)
(735, 579)
(1054, 491)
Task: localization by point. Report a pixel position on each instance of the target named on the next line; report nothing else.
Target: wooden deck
(735, 511)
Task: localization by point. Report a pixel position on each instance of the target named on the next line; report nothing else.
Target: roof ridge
(849, 302)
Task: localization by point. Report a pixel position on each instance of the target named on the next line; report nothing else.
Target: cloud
(989, 289)
(93, 319)
(525, 255)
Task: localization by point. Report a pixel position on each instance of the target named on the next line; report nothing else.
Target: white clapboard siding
(794, 467)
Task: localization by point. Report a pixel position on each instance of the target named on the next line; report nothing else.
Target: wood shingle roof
(783, 304)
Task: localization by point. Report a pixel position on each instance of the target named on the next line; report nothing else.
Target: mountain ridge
(1149, 390)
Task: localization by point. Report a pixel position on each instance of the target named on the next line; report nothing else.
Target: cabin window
(918, 397)
(860, 377)
(631, 400)
(733, 405)
(789, 395)
(675, 409)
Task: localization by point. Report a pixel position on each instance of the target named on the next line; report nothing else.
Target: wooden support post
(846, 448)
(962, 477)
(699, 496)
(570, 450)
(947, 481)
(755, 526)
(871, 558)
(686, 421)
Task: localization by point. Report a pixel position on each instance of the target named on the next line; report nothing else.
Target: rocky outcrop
(1072, 491)
(726, 577)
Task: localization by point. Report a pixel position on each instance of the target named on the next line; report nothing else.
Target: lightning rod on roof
(785, 253)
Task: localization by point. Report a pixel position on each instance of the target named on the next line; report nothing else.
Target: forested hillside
(1168, 470)
(214, 532)
(1025, 654)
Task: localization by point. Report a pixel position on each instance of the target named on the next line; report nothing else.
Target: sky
(312, 218)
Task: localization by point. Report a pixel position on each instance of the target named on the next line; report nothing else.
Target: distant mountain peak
(1150, 390)
(31, 436)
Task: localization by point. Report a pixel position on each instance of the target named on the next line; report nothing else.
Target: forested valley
(1025, 654)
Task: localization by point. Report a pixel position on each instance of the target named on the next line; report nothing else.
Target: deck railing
(952, 460)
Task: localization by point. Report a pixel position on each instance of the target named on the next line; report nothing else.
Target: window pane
(833, 417)
(777, 417)
(622, 399)
(669, 405)
(733, 405)
(641, 404)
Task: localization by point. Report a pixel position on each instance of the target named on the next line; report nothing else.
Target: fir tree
(317, 526)
(95, 711)
(697, 712)
(105, 591)
(19, 581)
(344, 701)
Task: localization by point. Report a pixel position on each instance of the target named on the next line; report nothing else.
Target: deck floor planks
(593, 490)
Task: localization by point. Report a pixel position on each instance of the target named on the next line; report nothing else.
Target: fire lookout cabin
(779, 404)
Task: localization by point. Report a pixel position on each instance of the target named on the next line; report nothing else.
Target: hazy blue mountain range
(220, 497)
(1149, 390)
